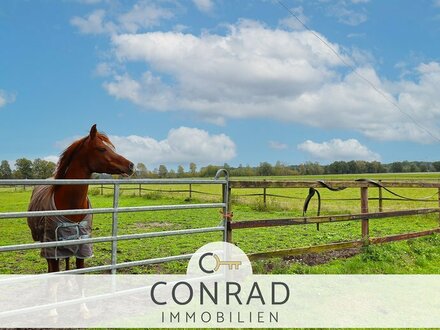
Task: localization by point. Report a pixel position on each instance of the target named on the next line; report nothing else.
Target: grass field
(413, 256)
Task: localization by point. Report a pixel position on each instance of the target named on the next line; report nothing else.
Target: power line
(353, 69)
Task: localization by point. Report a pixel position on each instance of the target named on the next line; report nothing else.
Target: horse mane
(68, 154)
(66, 158)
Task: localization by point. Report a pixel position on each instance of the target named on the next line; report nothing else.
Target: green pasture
(413, 256)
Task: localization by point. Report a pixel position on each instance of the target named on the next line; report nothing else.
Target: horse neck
(73, 196)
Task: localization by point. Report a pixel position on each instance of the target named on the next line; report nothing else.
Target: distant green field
(375, 176)
(419, 256)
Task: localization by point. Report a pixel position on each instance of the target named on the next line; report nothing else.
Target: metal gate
(115, 210)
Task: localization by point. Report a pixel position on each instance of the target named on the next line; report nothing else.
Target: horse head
(93, 153)
(101, 156)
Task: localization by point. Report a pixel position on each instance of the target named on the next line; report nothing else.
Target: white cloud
(205, 6)
(257, 72)
(238, 75)
(6, 97)
(2, 100)
(181, 146)
(94, 23)
(143, 15)
(147, 92)
(292, 22)
(348, 16)
(277, 145)
(104, 70)
(348, 12)
(337, 149)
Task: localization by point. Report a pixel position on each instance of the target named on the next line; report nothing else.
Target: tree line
(42, 169)
(314, 168)
(27, 169)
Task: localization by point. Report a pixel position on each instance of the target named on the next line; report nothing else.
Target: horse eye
(101, 149)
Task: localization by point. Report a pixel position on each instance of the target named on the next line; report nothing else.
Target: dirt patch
(312, 259)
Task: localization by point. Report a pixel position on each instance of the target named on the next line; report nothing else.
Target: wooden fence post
(102, 189)
(227, 213)
(439, 206)
(140, 189)
(264, 195)
(190, 191)
(380, 199)
(364, 209)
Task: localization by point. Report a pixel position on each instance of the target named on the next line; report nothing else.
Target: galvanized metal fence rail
(115, 210)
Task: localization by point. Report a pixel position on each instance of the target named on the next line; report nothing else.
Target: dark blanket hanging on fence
(312, 192)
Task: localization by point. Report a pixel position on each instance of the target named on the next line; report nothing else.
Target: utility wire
(353, 69)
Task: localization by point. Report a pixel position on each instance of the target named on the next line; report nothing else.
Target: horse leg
(53, 265)
(79, 263)
(67, 263)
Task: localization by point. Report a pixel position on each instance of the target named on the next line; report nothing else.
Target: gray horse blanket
(58, 228)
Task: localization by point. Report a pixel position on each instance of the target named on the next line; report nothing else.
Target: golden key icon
(231, 264)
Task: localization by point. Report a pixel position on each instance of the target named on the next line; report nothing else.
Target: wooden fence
(363, 216)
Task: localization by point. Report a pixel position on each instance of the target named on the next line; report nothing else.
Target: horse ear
(93, 131)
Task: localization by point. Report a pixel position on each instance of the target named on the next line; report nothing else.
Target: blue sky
(215, 81)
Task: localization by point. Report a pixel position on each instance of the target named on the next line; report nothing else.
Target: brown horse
(92, 154)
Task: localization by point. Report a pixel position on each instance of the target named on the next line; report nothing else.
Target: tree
(279, 169)
(338, 167)
(180, 171)
(265, 169)
(436, 166)
(42, 169)
(23, 169)
(141, 170)
(361, 166)
(5, 170)
(423, 167)
(242, 171)
(163, 171)
(192, 169)
(209, 171)
(414, 168)
(375, 167)
(310, 168)
(396, 167)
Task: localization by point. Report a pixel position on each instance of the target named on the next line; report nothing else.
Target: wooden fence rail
(239, 184)
(328, 218)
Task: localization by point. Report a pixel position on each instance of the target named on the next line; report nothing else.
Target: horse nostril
(131, 166)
